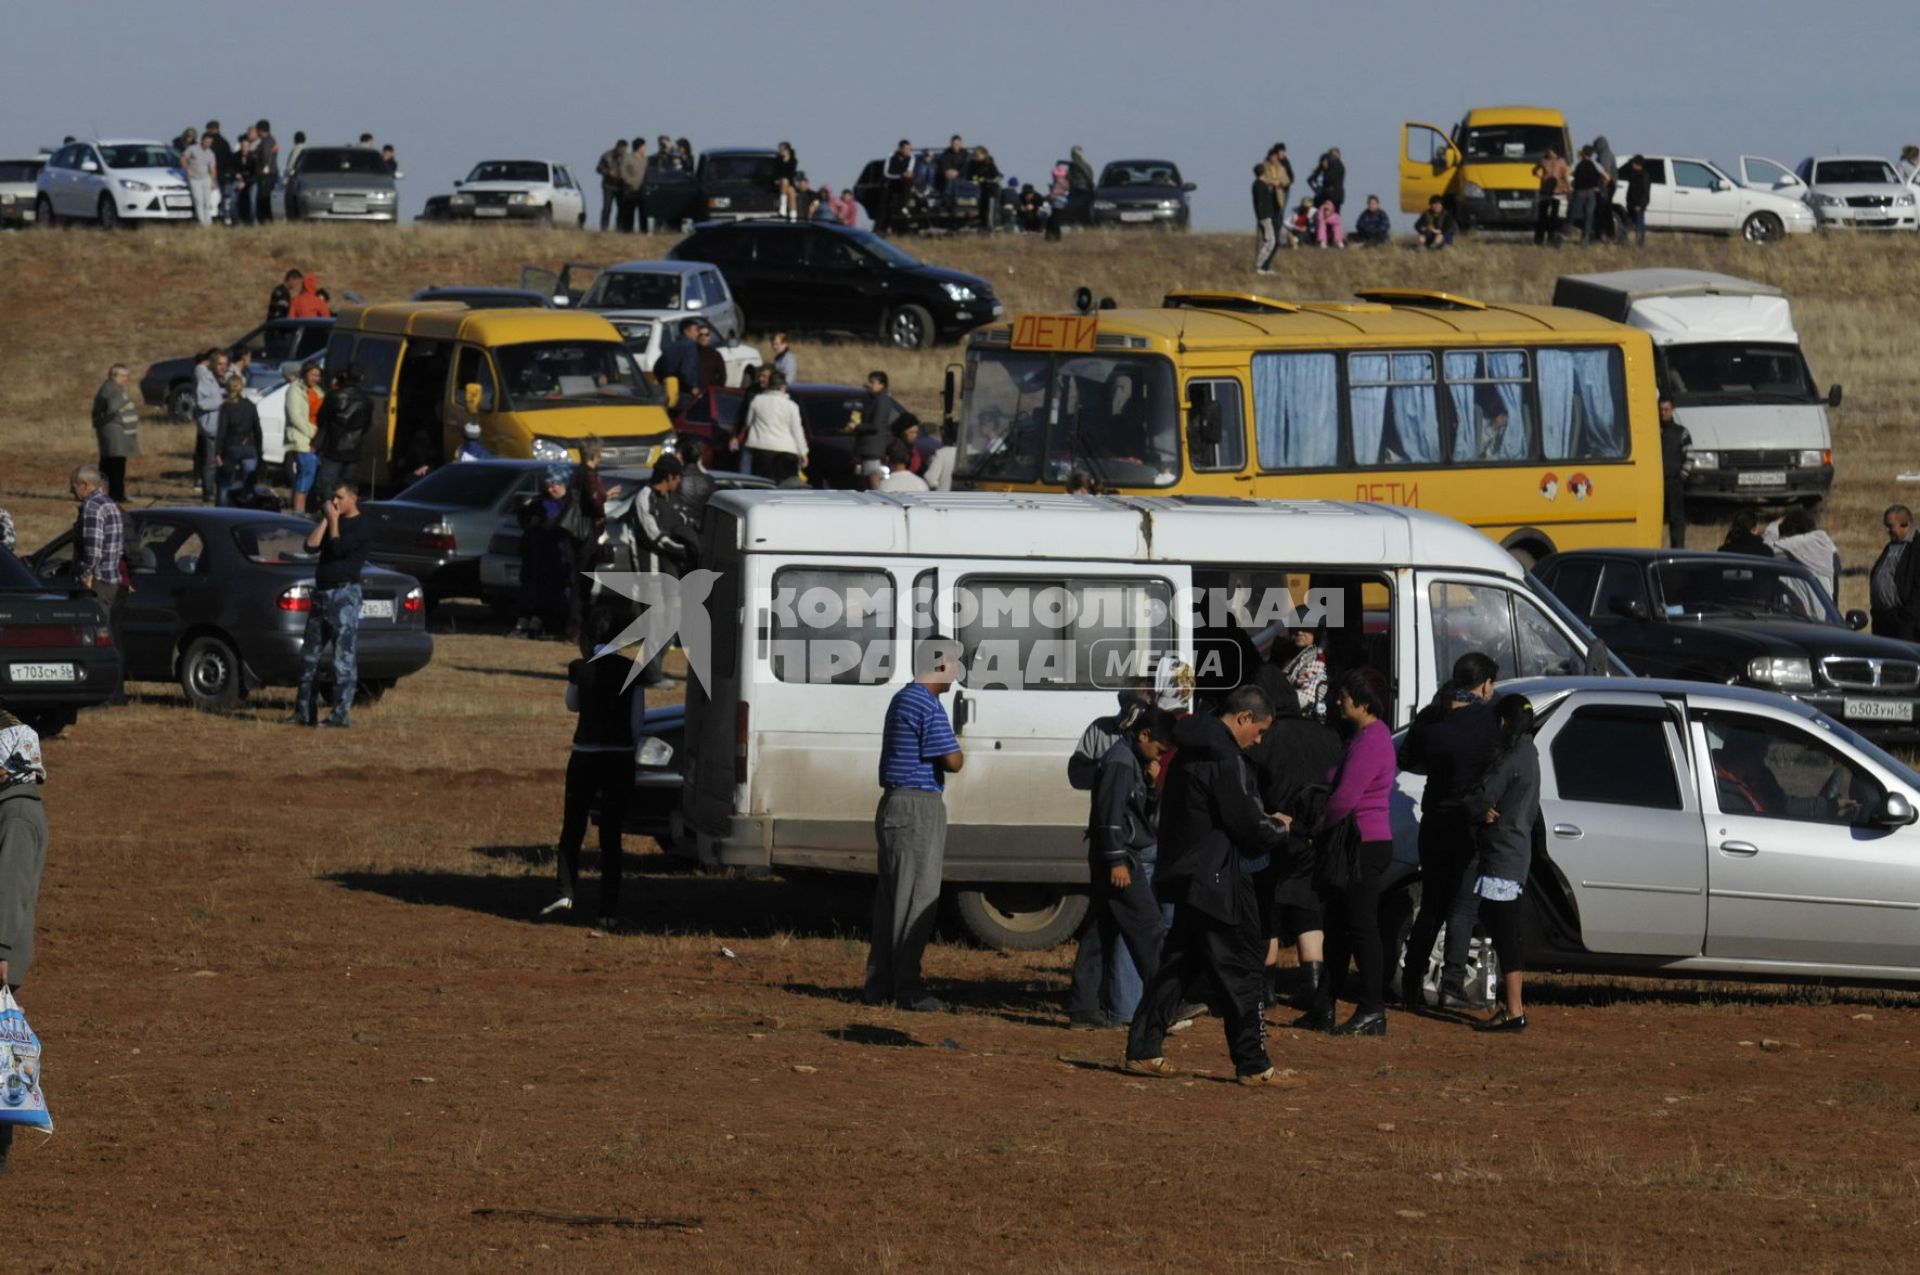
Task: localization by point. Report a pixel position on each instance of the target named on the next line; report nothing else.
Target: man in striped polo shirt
(917, 751)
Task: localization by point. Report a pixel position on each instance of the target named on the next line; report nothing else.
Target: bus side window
(1580, 405)
(1227, 453)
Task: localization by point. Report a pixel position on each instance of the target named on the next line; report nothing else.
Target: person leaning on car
(345, 416)
(1894, 584)
(116, 423)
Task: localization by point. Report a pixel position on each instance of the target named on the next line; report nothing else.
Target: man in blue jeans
(341, 538)
(918, 750)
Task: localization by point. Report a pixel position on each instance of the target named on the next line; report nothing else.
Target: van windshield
(1720, 372)
(1511, 143)
(1043, 417)
(569, 374)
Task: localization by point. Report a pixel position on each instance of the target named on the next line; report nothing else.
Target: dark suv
(811, 275)
(735, 184)
(1744, 621)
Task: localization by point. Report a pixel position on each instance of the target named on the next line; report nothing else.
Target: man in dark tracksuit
(1210, 819)
(1122, 839)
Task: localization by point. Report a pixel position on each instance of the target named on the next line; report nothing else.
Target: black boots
(1312, 975)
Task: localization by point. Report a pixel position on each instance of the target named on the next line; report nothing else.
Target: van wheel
(1021, 918)
(210, 675)
(909, 328)
(1762, 227)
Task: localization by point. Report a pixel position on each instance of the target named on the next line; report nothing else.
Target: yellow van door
(1428, 160)
(379, 358)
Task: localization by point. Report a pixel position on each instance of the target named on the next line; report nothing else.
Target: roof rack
(1420, 298)
(1238, 302)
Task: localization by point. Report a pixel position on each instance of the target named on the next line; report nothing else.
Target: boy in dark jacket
(1213, 838)
(1122, 836)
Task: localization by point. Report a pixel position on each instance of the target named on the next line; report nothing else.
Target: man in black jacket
(1122, 839)
(1213, 838)
(280, 300)
(1674, 464)
(1893, 586)
(346, 414)
(899, 189)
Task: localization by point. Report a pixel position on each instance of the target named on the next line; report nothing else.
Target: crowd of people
(233, 182)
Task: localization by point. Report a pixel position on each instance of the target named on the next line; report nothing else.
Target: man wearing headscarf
(23, 855)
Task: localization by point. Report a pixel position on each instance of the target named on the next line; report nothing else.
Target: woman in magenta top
(1362, 784)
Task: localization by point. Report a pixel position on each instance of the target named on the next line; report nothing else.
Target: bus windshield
(1721, 372)
(1511, 143)
(1037, 417)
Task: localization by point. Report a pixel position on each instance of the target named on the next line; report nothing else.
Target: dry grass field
(299, 1016)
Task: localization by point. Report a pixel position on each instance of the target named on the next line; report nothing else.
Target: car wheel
(109, 215)
(44, 214)
(210, 675)
(372, 691)
(180, 401)
(909, 328)
(1021, 918)
(1762, 227)
(739, 323)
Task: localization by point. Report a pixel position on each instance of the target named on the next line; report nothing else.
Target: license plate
(1515, 205)
(28, 214)
(1136, 216)
(1762, 478)
(1878, 710)
(179, 201)
(352, 206)
(489, 212)
(377, 609)
(43, 673)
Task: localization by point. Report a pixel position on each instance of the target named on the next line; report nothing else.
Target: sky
(1208, 84)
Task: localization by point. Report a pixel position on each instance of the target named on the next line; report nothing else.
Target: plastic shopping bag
(22, 1100)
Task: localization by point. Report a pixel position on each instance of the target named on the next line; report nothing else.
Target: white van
(820, 596)
(1728, 354)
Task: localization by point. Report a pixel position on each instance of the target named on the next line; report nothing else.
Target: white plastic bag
(22, 1100)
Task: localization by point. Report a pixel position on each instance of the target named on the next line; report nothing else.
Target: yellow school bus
(1537, 425)
(547, 379)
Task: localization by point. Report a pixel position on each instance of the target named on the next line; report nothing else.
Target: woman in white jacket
(1798, 537)
(776, 437)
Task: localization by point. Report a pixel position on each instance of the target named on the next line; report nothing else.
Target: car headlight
(379, 196)
(461, 200)
(1826, 201)
(1104, 205)
(1169, 205)
(1472, 190)
(517, 197)
(1705, 460)
(1786, 672)
(1814, 456)
(550, 449)
(958, 291)
(654, 752)
(127, 183)
(720, 201)
(1904, 201)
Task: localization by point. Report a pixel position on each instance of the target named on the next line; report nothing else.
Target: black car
(735, 183)
(1141, 192)
(714, 417)
(169, 383)
(220, 600)
(812, 275)
(56, 653)
(1741, 620)
(436, 529)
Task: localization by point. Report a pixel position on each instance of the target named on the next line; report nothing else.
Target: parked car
(715, 418)
(661, 294)
(1714, 831)
(1697, 195)
(811, 275)
(112, 182)
(487, 298)
(672, 197)
(735, 183)
(169, 382)
(1141, 192)
(1857, 192)
(341, 183)
(220, 600)
(57, 655)
(500, 565)
(437, 528)
(518, 190)
(19, 188)
(1737, 619)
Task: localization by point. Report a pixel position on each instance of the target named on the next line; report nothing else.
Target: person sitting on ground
(1301, 226)
(1373, 229)
(1436, 226)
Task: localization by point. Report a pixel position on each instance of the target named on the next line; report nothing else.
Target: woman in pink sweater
(1362, 784)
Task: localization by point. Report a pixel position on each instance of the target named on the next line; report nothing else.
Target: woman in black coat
(1294, 757)
(1504, 807)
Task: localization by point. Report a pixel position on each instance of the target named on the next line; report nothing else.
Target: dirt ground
(299, 1017)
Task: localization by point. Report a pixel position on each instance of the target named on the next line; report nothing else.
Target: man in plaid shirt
(102, 536)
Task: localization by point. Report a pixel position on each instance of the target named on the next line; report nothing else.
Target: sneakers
(562, 904)
(1178, 1025)
(1149, 1067)
(1272, 1078)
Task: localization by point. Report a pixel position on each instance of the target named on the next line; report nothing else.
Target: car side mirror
(1856, 620)
(1833, 396)
(1597, 664)
(88, 166)
(1189, 187)
(694, 303)
(1894, 811)
(458, 184)
(1721, 183)
(398, 175)
(1628, 608)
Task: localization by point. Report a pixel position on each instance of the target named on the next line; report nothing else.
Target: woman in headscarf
(545, 559)
(1610, 166)
(1292, 758)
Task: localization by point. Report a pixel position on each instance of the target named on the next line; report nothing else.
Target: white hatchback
(1858, 192)
(519, 190)
(111, 183)
(1684, 193)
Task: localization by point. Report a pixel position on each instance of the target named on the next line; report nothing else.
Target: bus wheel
(1021, 918)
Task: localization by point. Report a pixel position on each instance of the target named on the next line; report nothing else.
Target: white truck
(1728, 356)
